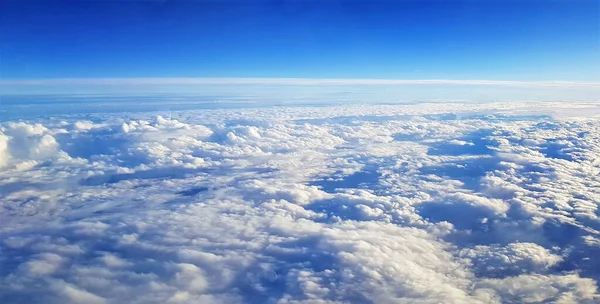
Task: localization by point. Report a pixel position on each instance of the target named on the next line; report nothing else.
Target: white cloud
(514, 258)
(543, 289)
(73, 294)
(4, 155)
(392, 204)
(290, 81)
(45, 264)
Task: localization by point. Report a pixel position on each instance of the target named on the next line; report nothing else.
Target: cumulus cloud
(514, 258)
(3, 150)
(431, 203)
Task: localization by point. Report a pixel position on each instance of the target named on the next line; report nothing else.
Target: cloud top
(429, 203)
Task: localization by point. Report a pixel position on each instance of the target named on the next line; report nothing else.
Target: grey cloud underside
(493, 203)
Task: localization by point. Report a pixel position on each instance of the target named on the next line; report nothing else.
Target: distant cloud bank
(288, 81)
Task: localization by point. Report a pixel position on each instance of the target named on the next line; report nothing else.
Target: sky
(492, 40)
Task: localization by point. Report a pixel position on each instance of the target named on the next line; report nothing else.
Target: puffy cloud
(514, 258)
(73, 294)
(45, 264)
(544, 289)
(29, 142)
(4, 155)
(347, 204)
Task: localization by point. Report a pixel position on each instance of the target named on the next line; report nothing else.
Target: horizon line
(286, 81)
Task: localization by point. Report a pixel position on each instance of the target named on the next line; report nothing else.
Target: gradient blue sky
(499, 40)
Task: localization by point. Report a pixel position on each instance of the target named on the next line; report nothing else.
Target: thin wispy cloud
(287, 81)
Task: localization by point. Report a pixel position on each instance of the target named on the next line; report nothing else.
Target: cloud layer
(291, 81)
(432, 203)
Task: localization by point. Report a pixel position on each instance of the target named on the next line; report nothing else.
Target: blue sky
(494, 40)
(510, 40)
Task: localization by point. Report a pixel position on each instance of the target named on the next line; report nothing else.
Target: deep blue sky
(485, 39)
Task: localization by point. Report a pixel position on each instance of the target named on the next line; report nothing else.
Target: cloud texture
(432, 203)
